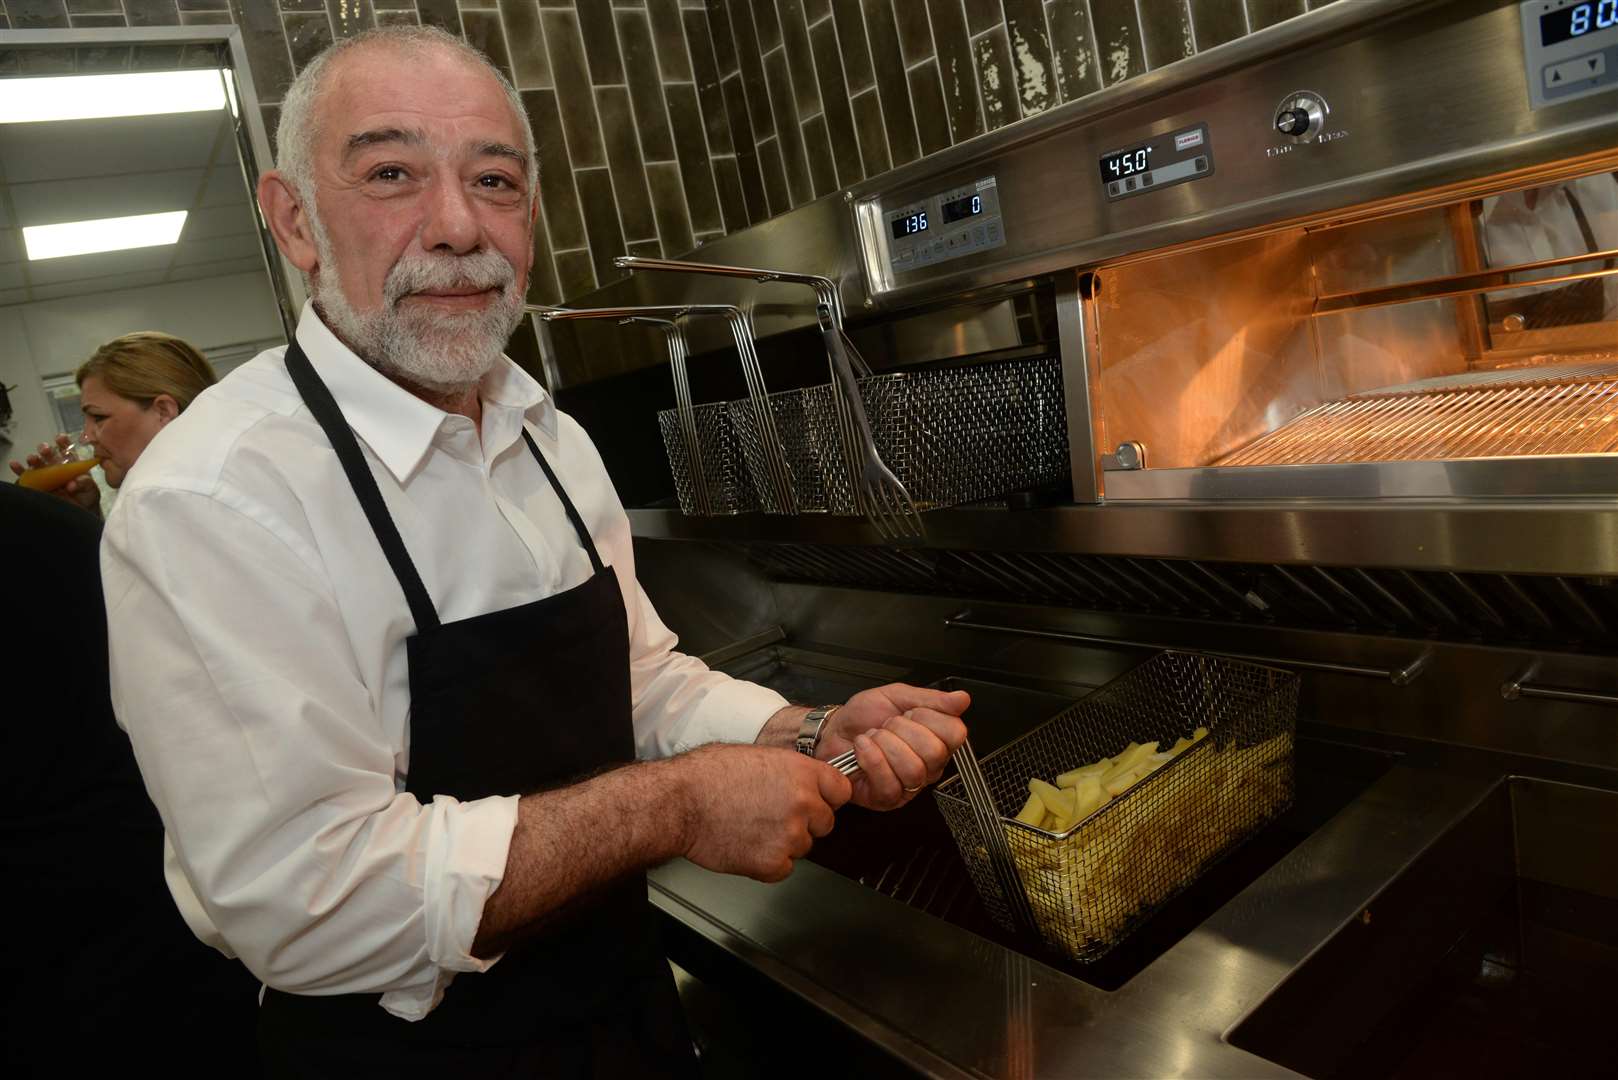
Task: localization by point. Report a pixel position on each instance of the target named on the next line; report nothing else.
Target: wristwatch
(814, 723)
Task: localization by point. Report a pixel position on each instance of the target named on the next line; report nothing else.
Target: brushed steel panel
(1550, 537)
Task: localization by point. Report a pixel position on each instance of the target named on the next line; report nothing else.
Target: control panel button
(1571, 71)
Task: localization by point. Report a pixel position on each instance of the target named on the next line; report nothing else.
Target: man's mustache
(439, 273)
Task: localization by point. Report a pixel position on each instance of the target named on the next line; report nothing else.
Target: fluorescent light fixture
(88, 97)
(102, 234)
(230, 91)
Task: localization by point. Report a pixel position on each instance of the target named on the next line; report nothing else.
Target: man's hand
(753, 810)
(81, 490)
(902, 735)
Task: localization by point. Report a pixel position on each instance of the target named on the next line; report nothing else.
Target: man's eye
(495, 181)
(388, 172)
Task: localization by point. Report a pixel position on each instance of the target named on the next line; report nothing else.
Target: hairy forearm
(574, 840)
(782, 729)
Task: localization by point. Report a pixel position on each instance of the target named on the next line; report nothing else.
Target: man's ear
(287, 220)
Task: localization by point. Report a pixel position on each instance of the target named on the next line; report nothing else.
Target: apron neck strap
(330, 417)
(567, 503)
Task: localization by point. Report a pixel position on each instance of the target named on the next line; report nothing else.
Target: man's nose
(452, 223)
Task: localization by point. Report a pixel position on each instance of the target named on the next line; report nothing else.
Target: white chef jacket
(258, 660)
(1515, 232)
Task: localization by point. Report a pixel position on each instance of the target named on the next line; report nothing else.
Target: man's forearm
(782, 729)
(574, 840)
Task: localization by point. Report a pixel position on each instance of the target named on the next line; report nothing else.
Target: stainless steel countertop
(954, 1004)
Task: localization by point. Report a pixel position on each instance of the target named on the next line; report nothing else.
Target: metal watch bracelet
(814, 724)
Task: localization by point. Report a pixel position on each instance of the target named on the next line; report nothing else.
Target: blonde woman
(129, 391)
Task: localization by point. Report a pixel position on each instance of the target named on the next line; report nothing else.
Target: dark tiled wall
(819, 94)
(663, 124)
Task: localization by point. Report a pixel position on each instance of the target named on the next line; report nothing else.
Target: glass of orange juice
(50, 477)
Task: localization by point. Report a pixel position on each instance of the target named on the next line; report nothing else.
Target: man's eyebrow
(377, 136)
(504, 150)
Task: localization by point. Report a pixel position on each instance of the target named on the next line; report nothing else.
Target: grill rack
(1092, 886)
(1559, 409)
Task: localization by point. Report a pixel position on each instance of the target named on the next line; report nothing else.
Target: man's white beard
(446, 352)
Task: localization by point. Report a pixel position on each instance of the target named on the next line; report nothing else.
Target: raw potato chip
(1084, 888)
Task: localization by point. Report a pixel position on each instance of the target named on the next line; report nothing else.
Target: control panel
(1153, 164)
(945, 226)
(1570, 48)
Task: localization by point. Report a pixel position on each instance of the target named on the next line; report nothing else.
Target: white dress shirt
(258, 660)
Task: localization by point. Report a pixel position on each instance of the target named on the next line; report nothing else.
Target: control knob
(1292, 121)
(1301, 116)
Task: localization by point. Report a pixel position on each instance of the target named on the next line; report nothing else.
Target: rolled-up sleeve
(679, 702)
(261, 747)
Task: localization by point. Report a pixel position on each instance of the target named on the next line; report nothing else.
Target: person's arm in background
(81, 491)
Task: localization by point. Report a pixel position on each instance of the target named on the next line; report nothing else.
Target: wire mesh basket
(790, 410)
(729, 482)
(950, 435)
(1093, 885)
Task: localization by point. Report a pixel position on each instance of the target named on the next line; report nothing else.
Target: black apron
(505, 703)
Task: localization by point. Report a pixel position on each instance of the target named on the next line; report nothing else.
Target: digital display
(962, 208)
(909, 224)
(1129, 162)
(1576, 21)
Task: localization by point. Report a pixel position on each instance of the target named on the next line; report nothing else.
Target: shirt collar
(397, 425)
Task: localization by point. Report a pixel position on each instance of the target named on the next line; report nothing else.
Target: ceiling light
(102, 234)
(88, 97)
